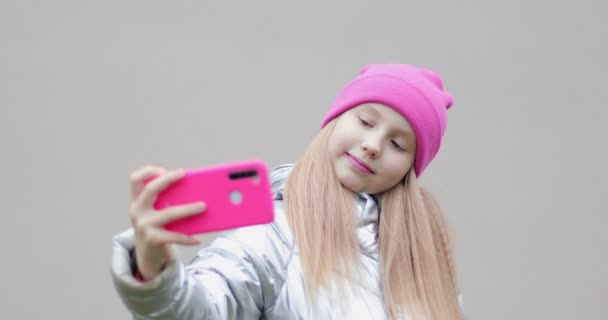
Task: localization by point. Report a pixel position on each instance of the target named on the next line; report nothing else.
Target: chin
(350, 182)
(351, 187)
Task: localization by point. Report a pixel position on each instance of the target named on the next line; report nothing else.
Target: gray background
(90, 91)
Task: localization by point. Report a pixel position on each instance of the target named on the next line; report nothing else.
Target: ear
(411, 173)
(405, 179)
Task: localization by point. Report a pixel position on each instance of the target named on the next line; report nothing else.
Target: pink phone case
(237, 194)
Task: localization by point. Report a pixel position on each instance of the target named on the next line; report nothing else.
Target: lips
(359, 163)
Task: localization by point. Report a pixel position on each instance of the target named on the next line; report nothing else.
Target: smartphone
(236, 194)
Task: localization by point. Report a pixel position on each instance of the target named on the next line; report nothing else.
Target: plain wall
(91, 90)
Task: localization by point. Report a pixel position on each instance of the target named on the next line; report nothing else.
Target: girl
(354, 236)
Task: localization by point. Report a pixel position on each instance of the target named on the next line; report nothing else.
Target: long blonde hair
(418, 275)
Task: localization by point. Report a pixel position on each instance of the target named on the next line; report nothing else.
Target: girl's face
(371, 148)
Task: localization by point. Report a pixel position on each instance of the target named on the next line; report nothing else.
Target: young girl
(354, 236)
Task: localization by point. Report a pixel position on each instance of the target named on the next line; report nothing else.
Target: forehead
(386, 114)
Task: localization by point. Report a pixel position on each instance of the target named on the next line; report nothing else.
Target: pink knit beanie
(414, 92)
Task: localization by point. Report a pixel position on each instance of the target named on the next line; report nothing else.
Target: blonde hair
(418, 276)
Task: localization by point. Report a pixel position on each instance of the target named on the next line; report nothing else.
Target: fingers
(149, 229)
(174, 213)
(152, 189)
(148, 222)
(139, 177)
(159, 237)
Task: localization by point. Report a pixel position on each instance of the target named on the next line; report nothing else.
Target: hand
(152, 241)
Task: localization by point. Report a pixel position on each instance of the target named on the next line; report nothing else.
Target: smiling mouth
(359, 164)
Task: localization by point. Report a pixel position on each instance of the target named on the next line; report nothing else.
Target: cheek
(400, 164)
(339, 143)
(335, 145)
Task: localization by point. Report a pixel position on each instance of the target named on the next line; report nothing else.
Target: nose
(371, 146)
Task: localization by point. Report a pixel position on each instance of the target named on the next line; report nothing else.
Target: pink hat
(414, 92)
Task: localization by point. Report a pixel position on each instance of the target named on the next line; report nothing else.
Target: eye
(396, 145)
(365, 122)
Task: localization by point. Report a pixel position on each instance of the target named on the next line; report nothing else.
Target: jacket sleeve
(463, 314)
(278, 179)
(236, 277)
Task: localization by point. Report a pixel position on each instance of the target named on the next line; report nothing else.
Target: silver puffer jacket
(252, 273)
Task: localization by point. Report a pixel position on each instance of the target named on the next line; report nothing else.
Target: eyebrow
(401, 131)
(407, 134)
